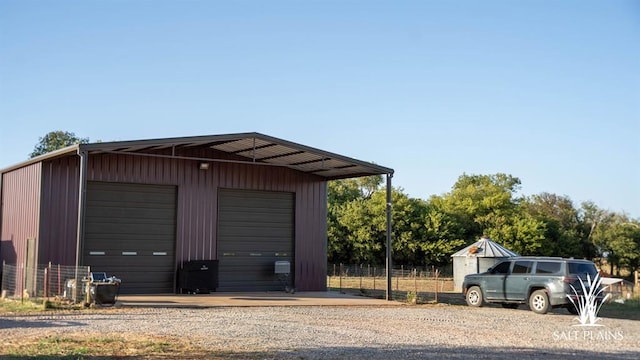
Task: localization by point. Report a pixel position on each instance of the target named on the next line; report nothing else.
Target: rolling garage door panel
(130, 233)
(255, 229)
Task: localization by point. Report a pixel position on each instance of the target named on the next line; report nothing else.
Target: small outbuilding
(476, 258)
(618, 288)
(141, 209)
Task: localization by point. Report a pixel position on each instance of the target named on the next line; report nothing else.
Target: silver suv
(541, 282)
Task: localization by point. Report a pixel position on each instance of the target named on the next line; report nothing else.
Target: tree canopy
(427, 232)
(55, 140)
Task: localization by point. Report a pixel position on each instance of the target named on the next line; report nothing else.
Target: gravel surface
(401, 332)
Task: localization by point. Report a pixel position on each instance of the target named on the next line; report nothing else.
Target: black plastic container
(198, 277)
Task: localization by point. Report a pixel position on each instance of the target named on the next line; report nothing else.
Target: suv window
(581, 269)
(502, 268)
(547, 267)
(522, 267)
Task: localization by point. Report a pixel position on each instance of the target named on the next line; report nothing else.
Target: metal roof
(253, 148)
(485, 247)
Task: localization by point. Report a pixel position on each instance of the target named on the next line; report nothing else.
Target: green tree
(443, 237)
(563, 227)
(407, 229)
(617, 239)
(627, 244)
(55, 140)
(488, 205)
(522, 234)
(345, 197)
(358, 227)
(591, 218)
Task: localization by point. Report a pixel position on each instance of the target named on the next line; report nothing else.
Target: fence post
(48, 280)
(87, 295)
(46, 284)
(24, 283)
(374, 277)
(59, 292)
(360, 276)
(340, 277)
(437, 271)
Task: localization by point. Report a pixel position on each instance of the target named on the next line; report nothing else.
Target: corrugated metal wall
(20, 212)
(59, 210)
(197, 203)
(311, 236)
(196, 226)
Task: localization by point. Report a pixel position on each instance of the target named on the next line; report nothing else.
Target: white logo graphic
(589, 300)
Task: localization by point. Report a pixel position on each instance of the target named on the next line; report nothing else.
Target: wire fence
(413, 284)
(43, 282)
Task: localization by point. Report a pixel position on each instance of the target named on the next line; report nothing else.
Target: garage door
(130, 233)
(255, 229)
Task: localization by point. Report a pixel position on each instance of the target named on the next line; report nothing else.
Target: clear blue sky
(548, 91)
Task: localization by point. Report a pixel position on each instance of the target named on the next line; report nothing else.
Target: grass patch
(630, 309)
(17, 306)
(81, 346)
(13, 306)
(91, 346)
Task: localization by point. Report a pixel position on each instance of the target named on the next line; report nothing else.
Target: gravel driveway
(401, 332)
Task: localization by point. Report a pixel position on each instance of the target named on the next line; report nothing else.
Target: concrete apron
(250, 299)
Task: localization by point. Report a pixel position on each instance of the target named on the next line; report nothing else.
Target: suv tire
(539, 302)
(474, 296)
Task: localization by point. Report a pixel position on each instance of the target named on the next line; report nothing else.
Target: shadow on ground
(630, 311)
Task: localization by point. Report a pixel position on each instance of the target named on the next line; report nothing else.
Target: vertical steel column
(82, 192)
(389, 265)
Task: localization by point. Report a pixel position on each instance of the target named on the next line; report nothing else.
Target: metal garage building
(140, 209)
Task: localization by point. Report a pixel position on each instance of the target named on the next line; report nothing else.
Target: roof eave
(367, 168)
(50, 155)
(375, 169)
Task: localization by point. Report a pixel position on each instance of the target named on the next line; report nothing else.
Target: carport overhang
(246, 148)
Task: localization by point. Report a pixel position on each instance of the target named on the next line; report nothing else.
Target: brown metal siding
(20, 212)
(59, 210)
(197, 199)
(311, 238)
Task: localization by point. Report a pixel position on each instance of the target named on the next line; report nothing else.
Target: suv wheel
(539, 302)
(474, 296)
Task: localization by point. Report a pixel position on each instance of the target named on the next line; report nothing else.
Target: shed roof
(253, 148)
(485, 247)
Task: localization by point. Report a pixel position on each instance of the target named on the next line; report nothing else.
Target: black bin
(198, 277)
(103, 293)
